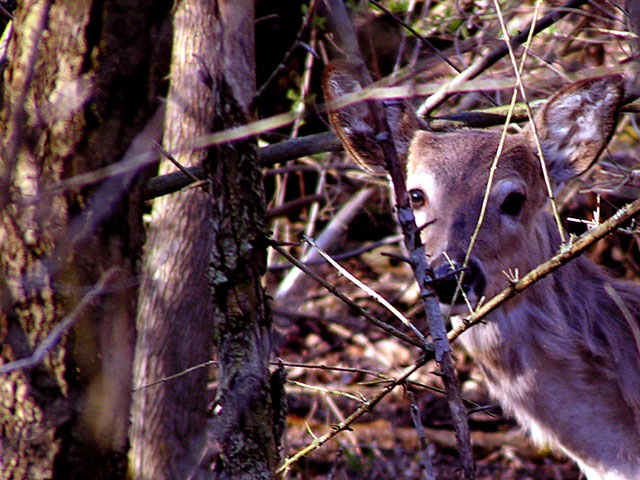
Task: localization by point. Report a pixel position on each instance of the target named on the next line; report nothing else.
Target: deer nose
(447, 276)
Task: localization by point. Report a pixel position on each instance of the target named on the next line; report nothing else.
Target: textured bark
(212, 80)
(213, 49)
(249, 408)
(76, 92)
(175, 314)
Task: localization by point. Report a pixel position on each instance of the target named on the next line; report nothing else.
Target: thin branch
(352, 305)
(178, 165)
(208, 363)
(485, 198)
(425, 458)
(534, 130)
(267, 156)
(381, 376)
(564, 256)
(341, 26)
(368, 290)
(492, 57)
(424, 41)
(328, 391)
(293, 283)
(294, 205)
(50, 342)
(289, 54)
(283, 470)
(176, 375)
(494, 165)
(337, 413)
(416, 34)
(350, 254)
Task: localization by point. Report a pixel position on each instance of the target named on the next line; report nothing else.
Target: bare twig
(532, 125)
(352, 253)
(368, 290)
(336, 429)
(178, 165)
(416, 34)
(287, 56)
(340, 25)
(176, 375)
(337, 412)
(373, 373)
(573, 250)
(485, 198)
(424, 41)
(425, 458)
(325, 390)
(354, 306)
(50, 342)
(293, 205)
(492, 57)
(292, 283)
(494, 164)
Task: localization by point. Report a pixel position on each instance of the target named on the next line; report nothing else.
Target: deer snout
(447, 277)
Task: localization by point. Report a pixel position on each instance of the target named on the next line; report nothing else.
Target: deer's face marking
(447, 177)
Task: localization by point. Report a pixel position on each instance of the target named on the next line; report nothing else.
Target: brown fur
(560, 357)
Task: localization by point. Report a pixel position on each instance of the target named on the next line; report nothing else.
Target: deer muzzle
(447, 278)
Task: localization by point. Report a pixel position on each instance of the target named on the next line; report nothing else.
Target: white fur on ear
(575, 125)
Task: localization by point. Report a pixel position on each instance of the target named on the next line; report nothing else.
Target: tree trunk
(80, 84)
(212, 81)
(249, 412)
(175, 328)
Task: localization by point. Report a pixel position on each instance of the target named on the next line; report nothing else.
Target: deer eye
(417, 197)
(512, 204)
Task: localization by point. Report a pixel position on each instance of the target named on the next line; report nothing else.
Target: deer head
(447, 176)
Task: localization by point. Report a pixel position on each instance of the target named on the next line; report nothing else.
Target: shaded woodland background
(76, 401)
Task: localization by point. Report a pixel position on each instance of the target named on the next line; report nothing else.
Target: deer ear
(575, 125)
(354, 124)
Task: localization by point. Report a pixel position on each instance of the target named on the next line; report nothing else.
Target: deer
(561, 356)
